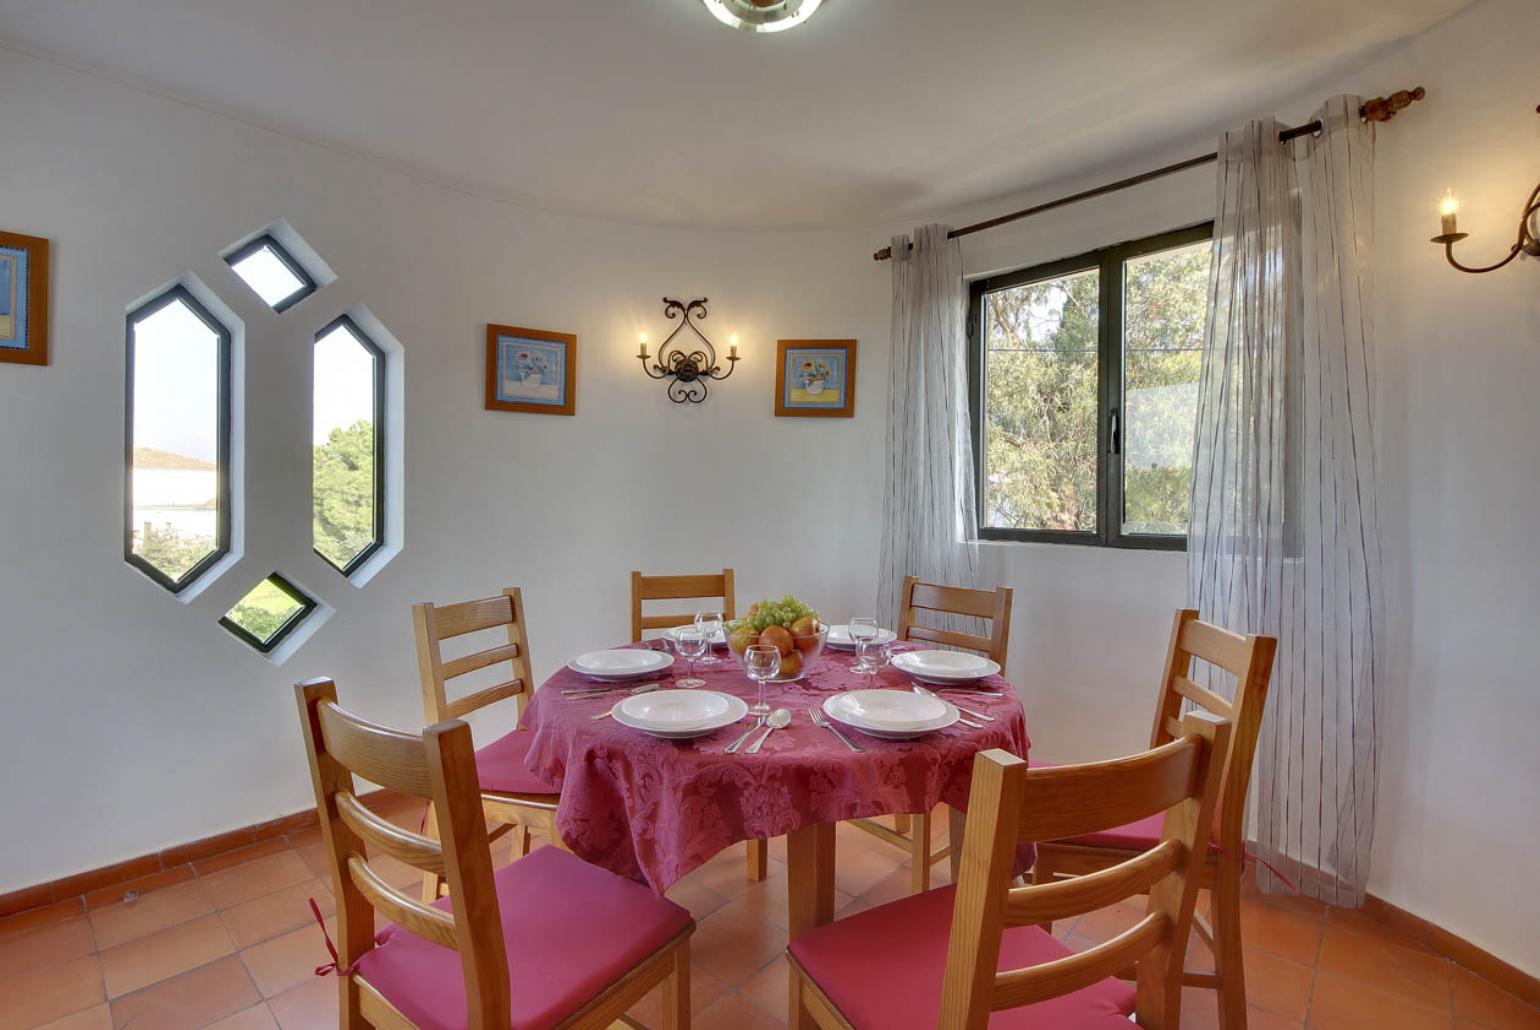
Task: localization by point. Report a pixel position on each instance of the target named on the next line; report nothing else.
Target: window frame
(173, 294)
(348, 323)
(1108, 262)
(307, 604)
(267, 241)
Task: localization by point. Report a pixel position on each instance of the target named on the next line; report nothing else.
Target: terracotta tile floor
(233, 946)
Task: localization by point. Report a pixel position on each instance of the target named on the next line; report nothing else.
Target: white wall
(102, 669)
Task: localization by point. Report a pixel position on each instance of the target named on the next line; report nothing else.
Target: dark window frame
(178, 293)
(307, 604)
(268, 242)
(1108, 262)
(380, 403)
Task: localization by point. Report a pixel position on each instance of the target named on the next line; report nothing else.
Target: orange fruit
(791, 665)
(777, 637)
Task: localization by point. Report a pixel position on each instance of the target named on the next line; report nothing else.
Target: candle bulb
(732, 349)
(1448, 208)
(642, 341)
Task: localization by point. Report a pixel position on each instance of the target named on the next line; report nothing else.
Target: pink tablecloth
(657, 809)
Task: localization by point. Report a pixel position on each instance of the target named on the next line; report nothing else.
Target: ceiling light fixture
(762, 15)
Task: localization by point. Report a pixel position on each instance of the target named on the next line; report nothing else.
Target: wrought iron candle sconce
(1527, 242)
(689, 364)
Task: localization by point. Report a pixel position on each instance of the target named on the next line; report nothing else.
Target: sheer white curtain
(929, 511)
(1284, 537)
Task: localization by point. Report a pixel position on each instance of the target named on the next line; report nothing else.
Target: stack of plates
(944, 667)
(620, 665)
(679, 714)
(890, 714)
(839, 637)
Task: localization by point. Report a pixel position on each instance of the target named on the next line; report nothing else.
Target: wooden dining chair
(912, 833)
(678, 588)
(1250, 660)
(951, 957)
(513, 797)
(548, 940)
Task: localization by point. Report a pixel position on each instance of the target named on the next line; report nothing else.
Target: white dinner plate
(621, 664)
(679, 714)
(839, 638)
(720, 640)
(944, 666)
(890, 714)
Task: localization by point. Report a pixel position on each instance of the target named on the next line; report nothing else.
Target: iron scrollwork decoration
(688, 364)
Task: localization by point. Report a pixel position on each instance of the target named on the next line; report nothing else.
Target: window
(269, 612)
(347, 434)
(177, 494)
(1084, 386)
(271, 271)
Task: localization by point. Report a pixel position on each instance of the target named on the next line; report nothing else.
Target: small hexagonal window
(272, 273)
(177, 495)
(269, 612)
(347, 433)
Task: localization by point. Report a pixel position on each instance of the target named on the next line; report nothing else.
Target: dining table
(655, 809)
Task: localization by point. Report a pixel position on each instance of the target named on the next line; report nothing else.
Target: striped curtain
(929, 510)
(1284, 537)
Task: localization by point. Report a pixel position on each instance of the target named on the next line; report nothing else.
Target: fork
(822, 721)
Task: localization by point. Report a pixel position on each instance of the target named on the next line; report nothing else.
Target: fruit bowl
(792, 627)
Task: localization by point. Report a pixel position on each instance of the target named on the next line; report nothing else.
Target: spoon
(735, 745)
(779, 720)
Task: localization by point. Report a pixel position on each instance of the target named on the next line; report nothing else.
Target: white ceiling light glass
(762, 15)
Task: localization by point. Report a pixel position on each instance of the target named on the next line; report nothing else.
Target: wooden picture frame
(23, 299)
(815, 379)
(531, 370)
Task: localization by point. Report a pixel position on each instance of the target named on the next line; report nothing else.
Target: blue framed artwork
(815, 379)
(23, 299)
(531, 370)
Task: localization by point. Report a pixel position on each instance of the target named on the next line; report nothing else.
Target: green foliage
(264, 610)
(342, 493)
(170, 552)
(1041, 419)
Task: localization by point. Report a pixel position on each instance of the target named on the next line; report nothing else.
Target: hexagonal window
(177, 495)
(269, 612)
(272, 273)
(347, 434)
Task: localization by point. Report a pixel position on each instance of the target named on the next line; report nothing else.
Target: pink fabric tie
(334, 966)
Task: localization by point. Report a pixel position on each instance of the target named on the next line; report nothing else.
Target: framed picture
(23, 299)
(815, 378)
(531, 370)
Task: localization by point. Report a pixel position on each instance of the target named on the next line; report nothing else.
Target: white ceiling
(650, 110)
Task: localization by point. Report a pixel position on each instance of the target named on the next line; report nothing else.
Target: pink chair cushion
(883, 970)
(500, 767)
(570, 930)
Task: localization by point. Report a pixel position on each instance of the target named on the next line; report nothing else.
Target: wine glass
(872, 655)
(691, 644)
(710, 624)
(761, 662)
(862, 629)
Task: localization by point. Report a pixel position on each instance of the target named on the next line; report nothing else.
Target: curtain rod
(1380, 109)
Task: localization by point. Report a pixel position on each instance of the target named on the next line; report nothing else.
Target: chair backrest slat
(1009, 803)
(402, 845)
(1249, 659)
(707, 587)
(380, 755)
(399, 908)
(1038, 983)
(993, 605)
(433, 624)
(438, 765)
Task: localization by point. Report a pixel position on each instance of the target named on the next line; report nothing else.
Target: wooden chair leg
(956, 823)
(1228, 964)
(676, 991)
(522, 841)
(759, 859)
(432, 883)
(919, 854)
(901, 825)
(352, 1017)
(1043, 872)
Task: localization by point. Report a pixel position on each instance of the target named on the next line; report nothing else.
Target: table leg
(809, 891)
(954, 837)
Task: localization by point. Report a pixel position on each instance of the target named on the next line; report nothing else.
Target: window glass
(346, 435)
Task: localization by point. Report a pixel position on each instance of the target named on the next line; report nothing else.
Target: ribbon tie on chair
(335, 965)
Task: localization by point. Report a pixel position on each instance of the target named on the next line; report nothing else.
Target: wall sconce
(1527, 243)
(686, 369)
